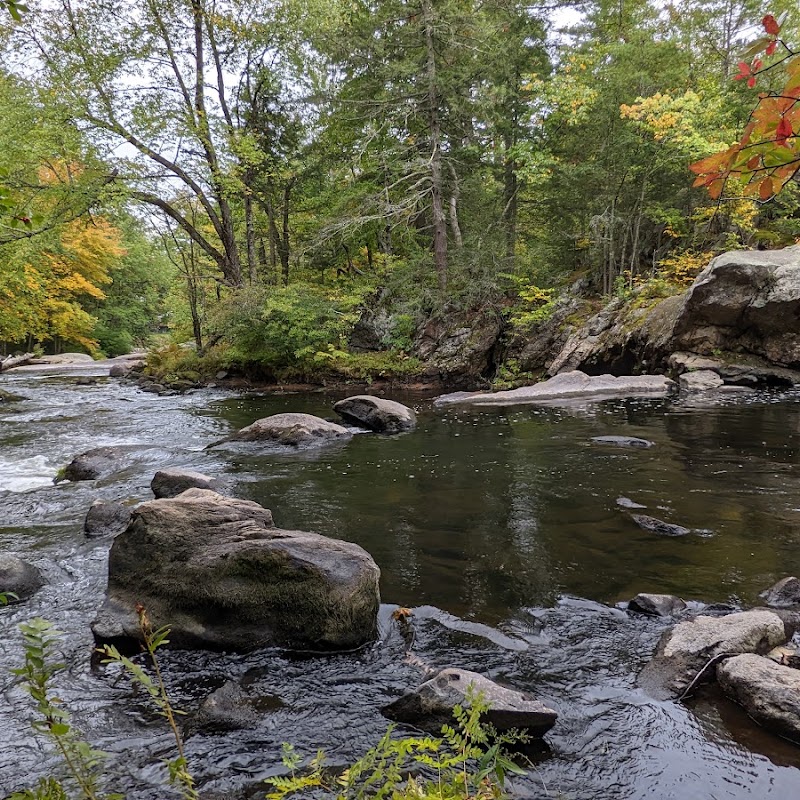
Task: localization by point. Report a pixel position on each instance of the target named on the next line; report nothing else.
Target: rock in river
(690, 646)
(219, 573)
(784, 594)
(768, 692)
(172, 482)
(296, 430)
(657, 605)
(106, 519)
(104, 461)
(623, 441)
(18, 576)
(431, 705)
(659, 526)
(376, 413)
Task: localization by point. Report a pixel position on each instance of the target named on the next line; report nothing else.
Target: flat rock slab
(567, 386)
(769, 692)
(659, 526)
(376, 413)
(702, 380)
(623, 441)
(172, 482)
(688, 648)
(218, 572)
(431, 705)
(293, 430)
(657, 605)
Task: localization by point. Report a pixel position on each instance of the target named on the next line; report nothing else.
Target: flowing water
(501, 527)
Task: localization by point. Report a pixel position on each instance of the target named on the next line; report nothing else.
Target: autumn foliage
(767, 156)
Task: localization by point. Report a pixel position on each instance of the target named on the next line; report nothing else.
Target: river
(500, 527)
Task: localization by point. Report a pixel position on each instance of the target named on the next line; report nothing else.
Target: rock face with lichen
(219, 573)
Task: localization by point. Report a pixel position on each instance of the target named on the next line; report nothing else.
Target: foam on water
(25, 474)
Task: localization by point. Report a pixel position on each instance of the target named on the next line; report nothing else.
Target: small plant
(7, 597)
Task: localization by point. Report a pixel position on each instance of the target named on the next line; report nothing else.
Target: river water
(500, 527)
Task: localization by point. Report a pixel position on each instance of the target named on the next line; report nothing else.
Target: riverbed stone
(623, 441)
(431, 705)
(229, 708)
(690, 647)
(218, 572)
(172, 482)
(784, 594)
(105, 519)
(657, 605)
(769, 692)
(659, 526)
(702, 380)
(376, 413)
(567, 386)
(19, 577)
(294, 430)
(100, 462)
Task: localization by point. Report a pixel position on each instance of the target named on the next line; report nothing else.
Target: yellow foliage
(683, 268)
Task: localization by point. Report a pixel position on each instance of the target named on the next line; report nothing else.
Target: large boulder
(293, 430)
(219, 573)
(172, 482)
(376, 413)
(106, 519)
(567, 386)
(19, 577)
(431, 705)
(687, 651)
(768, 691)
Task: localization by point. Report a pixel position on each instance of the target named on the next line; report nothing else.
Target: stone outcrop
(566, 387)
(172, 482)
(431, 705)
(220, 574)
(292, 430)
(106, 519)
(768, 692)
(376, 413)
(19, 577)
(688, 650)
(657, 605)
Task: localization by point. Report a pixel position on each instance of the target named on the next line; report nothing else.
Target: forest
(256, 177)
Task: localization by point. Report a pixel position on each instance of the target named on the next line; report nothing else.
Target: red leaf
(751, 81)
(754, 162)
(757, 64)
(765, 189)
(783, 131)
(744, 71)
(771, 47)
(771, 25)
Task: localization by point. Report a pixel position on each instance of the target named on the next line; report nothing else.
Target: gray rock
(626, 502)
(432, 704)
(86, 380)
(217, 571)
(659, 526)
(104, 461)
(294, 430)
(228, 708)
(106, 519)
(623, 441)
(376, 413)
(172, 482)
(19, 577)
(784, 594)
(657, 605)
(702, 380)
(120, 370)
(769, 692)
(9, 397)
(687, 649)
(568, 386)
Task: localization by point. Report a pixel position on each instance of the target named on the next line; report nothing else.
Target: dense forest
(257, 177)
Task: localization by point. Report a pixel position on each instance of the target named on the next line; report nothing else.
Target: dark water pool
(501, 527)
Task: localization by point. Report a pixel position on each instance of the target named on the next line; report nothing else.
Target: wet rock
(657, 605)
(622, 441)
(101, 462)
(106, 519)
(294, 430)
(567, 386)
(702, 380)
(784, 594)
(9, 397)
(431, 705)
(222, 576)
(659, 526)
(85, 380)
(626, 502)
(172, 482)
(19, 577)
(690, 647)
(154, 388)
(769, 692)
(376, 413)
(229, 708)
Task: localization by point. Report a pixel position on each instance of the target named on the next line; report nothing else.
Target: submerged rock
(376, 413)
(431, 705)
(294, 430)
(623, 441)
(19, 577)
(657, 605)
(690, 648)
(229, 708)
(659, 526)
(784, 594)
(222, 576)
(567, 386)
(626, 502)
(768, 692)
(106, 519)
(172, 482)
